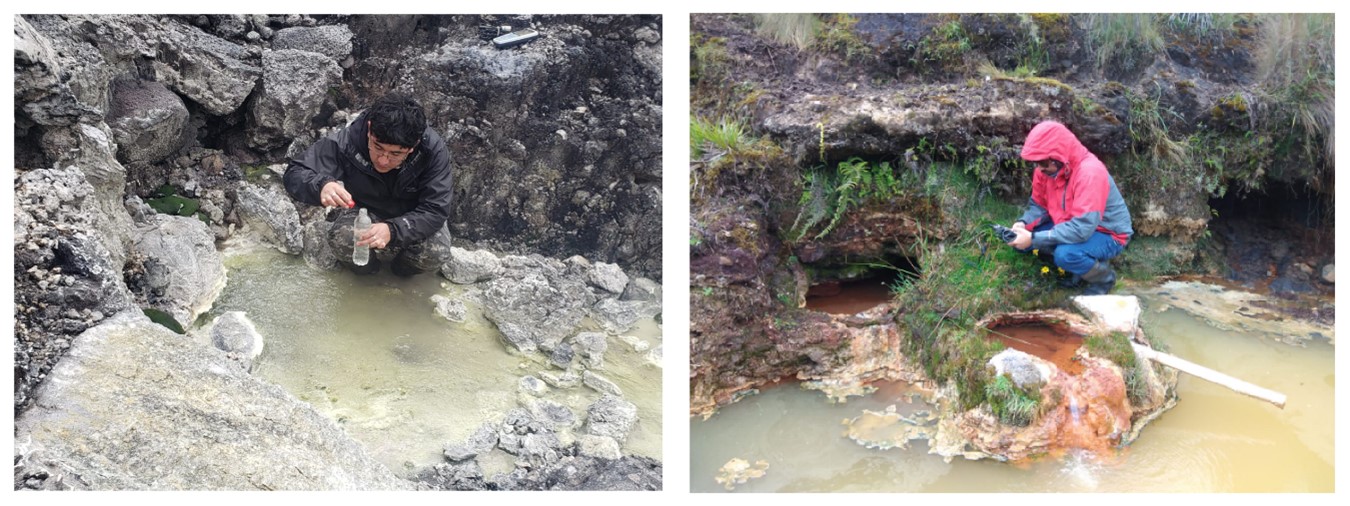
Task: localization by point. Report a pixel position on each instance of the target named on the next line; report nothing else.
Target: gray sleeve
(1076, 230)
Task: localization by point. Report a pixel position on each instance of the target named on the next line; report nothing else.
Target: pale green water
(1214, 440)
(369, 352)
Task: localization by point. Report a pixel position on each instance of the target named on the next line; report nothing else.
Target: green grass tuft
(798, 30)
(1012, 405)
(1124, 40)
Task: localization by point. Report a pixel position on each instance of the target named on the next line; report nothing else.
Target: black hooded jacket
(416, 202)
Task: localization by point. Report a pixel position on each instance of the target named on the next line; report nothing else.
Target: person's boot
(1100, 279)
(371, 267)
(1070, 281)
(403, 266)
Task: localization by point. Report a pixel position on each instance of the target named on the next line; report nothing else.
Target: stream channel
(1214, 440)
(370, 353)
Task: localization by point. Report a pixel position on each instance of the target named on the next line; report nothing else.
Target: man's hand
(377, 237)
(334, 194)
(1017, 225)
(1023, 240)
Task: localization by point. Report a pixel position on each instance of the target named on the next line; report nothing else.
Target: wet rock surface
(135, 407)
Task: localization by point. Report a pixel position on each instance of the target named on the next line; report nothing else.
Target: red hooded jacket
(1079, 199)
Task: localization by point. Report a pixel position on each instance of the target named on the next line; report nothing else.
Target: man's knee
(423, 256)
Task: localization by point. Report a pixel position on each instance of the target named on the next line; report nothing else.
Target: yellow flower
(1035, 252)
(1044, 270)
(1061, 271)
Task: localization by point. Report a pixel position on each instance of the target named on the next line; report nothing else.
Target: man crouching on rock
(1075, 213)
(389, 162)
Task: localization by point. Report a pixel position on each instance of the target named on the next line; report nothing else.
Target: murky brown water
(1042, 341)
(848, 297)
(369, 352)
(1214, 440)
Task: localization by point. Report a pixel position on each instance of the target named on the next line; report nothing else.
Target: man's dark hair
(397, 119)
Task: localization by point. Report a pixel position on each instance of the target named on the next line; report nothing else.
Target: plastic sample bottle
(360, 254)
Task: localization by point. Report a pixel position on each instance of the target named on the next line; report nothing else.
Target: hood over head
(1052, 140)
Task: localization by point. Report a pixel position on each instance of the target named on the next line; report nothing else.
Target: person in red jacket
(1075, 211)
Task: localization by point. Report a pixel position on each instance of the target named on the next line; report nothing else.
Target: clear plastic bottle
(360, 254)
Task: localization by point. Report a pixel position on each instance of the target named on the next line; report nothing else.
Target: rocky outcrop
(535, 437)
(68, 277)
(572, 471)
(135, 407)
(534, 303)
(580, 175)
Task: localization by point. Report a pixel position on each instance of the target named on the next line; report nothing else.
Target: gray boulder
(642, 289)
(211, 71)
(333, 41)
(317, 251)
(611, 417)
(467, 267)
(450, 309)
(555, 415)
(617, 316)
(1024, 370)
(268, 212)
(235, 334)
(600, 383)
(592, 346)
(148, 121)
(567, 379)
(532, 385)
(135, 407)
(562, 356)
(295, 85)
(481, 441)
(184, 272)
(608, 277)
(600, 447)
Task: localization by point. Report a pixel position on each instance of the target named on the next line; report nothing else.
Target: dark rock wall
(556, 143)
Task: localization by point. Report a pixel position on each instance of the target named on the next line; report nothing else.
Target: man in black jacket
(391, 163)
